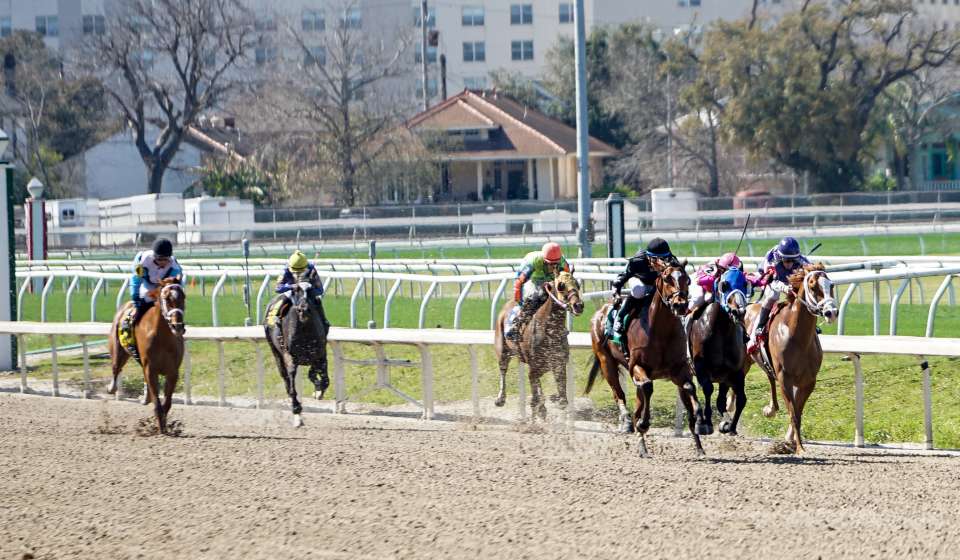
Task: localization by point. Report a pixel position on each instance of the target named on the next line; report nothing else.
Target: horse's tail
(594, 370)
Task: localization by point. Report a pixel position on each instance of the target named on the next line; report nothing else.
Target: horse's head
(173, 303)
(673, 286)
(568, 291)
(813, 288)
(300, 297)
(733, 292)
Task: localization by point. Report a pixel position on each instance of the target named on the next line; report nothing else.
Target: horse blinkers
(571, 295)
(818, 284)
(674, 285)
(173, 304)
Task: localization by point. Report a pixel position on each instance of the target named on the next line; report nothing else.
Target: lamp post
(584, 234)
(8, 298)
(36, 222)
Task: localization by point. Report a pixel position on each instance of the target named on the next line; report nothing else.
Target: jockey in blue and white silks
(149, 269)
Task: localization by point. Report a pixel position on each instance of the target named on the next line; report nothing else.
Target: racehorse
(297, 336)
(716, 343)
(793, 346)
(656, 352)
(159, 339)
(543, 344)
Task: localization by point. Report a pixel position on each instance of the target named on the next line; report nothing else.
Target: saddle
(762, 355)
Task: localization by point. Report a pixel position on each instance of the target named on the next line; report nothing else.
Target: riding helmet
(552, 252)
(162, 248)
(658, 247)
(788, 248)
(730, 260)
(297, 262)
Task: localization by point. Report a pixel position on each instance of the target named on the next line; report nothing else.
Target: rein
(168, 313)
(547, 287)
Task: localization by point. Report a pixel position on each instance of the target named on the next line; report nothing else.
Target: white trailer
(72, 212)
(229, 217)
(148, 209)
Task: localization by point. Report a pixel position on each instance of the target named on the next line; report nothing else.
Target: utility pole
(443, 77)
(583, 148)
(669, 129)
(423, 52)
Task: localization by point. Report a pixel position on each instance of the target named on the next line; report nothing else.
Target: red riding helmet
(730, 260)
(552, 252)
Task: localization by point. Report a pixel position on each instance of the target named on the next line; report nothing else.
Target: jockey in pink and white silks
(780, 263)
(705, 279)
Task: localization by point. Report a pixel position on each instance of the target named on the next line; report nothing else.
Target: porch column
(530, 185)
(479, 181)
(553, 178)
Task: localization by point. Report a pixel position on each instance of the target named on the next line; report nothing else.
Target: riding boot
(759, 331)
(528, 308)
(623, 315)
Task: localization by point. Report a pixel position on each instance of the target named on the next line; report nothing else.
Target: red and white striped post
(36, 225)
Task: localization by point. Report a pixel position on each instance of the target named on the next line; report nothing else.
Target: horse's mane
(796, 279)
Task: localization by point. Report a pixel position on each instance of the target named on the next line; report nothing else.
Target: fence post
(54, 366)
(474, 382)
(260, 374)
(521, 391)
(221, 373)
(858, 392)
(86, 367)
(187, 370)
(21, 345)
(927, 403)
(423, 304)
(426, 364)
(339, 387)
(213, 300)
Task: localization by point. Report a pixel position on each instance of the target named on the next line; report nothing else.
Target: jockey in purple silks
(780, 262)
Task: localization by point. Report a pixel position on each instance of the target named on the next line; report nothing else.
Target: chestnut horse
(657, 353)
(793, 345)
(159, 338)
(715, 339)
(543, 344)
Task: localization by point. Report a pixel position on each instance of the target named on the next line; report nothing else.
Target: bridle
(170, 312)
(807, 298)
(671, 301)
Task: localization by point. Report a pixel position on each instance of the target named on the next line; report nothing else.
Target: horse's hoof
(642, 450)
(541, 412)
(724, 427)
(500, 401)
(769, 411)
(297, 421)
(562, 404)
(705, 429)
(318, 395)
(626, 426)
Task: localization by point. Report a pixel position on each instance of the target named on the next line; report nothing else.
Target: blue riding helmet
(733, 280)
(788, 248)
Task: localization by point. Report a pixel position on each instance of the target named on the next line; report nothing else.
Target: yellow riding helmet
(297, 262)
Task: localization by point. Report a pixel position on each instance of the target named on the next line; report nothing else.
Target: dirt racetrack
(76, 482)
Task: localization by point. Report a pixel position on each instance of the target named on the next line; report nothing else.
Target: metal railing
(851, 346)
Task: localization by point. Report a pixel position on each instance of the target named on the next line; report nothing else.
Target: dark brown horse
(657, 352)
(793, 345)
(159, 338)
(543, 344)
(716, 342)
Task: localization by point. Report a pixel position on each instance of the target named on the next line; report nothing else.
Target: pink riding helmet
(730, 260)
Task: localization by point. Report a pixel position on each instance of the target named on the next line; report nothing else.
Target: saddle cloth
(125, 333)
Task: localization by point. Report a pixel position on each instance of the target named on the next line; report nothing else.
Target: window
(431, 87)
(691, 3)
(472, 16)
(6, 26)
(312, 20)
(566, 12)
(352, 19)
(431, 17)
(94, 24)
(521, 14)
(67, 214)
(521, 50)
(475, 82)
(431, 54)
(266, 22)
(315, 56)
(474, 52)
(48, 26)
(263, 55)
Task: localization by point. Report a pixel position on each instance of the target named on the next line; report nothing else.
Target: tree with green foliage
(53, 115)
(801, 89)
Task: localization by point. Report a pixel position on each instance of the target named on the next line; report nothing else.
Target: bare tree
(344, 88)
(166, 62)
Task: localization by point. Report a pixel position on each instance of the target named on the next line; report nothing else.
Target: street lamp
(36, 227)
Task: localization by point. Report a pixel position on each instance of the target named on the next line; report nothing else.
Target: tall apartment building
(476, 36)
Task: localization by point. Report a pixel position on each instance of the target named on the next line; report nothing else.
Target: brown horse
(657, 353)
(793, 346)
(159, 337)
(715, 339)
(543, 344)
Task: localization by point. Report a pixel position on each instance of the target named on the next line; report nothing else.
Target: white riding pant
(145, 289)
(698, 296)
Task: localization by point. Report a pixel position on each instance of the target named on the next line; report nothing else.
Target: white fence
(851, 346)
(493, 285)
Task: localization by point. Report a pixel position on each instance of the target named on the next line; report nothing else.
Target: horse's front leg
(319, 365)
(152, 381)
(504, 364)
(560, 376)
(169, 386)
(740, 393)
(770, 410)
(706, 384)
(688, 396)
(641, 416)
(537, 405)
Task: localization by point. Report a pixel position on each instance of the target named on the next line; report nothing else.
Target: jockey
(149, 269)
(537, 268)
(299, 267)
(781, 261)
(707, 276)
(644, 266)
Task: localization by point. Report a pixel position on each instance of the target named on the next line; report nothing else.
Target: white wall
(113, 169)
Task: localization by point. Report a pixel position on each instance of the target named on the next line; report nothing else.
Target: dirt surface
(77, 482)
